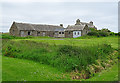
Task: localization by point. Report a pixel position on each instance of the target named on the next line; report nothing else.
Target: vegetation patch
(7, 36)
(67, 58)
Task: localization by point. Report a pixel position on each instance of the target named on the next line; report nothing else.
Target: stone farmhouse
(72, 31)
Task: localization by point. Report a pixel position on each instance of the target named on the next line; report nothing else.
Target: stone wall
(24, 33)
(85, 31)
(68, 34)
(14, 31)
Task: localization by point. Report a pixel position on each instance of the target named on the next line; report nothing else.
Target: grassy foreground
(0, 68)
(59, 53)
(112, 40)
(25, 70)
(111, 74)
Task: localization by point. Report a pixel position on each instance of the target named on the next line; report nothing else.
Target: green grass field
(113, 40)
(14, 69)
(0, 68)
(26, 70)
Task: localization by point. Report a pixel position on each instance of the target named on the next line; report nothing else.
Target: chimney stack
(77, 22)
(91, 22)
(61, 25)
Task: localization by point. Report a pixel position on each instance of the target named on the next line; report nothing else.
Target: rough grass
(67, 58)
(47, 49)
(112, 40)
(7, 36)
(0, 68)
(26, 70)
(111, 74)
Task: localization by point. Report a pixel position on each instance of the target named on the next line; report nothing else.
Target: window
(56, 33)
(28, 32)
(13, 31)
(62, 32)
(38, 32)
(75, 33)
(69, 32)
(59, 32)
(78, 33)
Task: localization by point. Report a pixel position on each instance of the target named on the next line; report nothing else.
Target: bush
(93, 29)
(104, 34)
(116, 34)
(93, 33)
(7, 36)
(112, 33)
(105, 30)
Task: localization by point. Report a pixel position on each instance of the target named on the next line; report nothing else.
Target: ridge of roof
(38, 27)
(35, 24)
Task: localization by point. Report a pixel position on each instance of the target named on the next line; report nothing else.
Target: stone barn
(72, 31)
(25, 29)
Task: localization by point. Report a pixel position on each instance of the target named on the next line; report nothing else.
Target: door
(22, 34)
(43, 33)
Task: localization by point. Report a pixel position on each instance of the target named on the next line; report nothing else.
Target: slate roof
(37, 27)
(75, 27)
(89, 25)
(60, 29)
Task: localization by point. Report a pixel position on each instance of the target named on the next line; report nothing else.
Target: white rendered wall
(76, 34)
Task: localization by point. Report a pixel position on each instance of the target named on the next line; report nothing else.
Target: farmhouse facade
(72, 31)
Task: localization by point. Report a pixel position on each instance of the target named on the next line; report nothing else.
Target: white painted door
(76, 34)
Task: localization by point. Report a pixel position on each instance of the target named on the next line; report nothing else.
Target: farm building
(72, 31)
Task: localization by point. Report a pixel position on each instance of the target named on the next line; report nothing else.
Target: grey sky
(103, 14)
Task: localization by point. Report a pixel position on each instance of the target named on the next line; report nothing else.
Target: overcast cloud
(103, 14)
